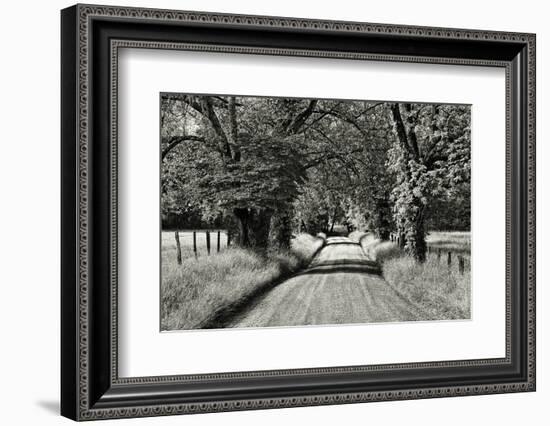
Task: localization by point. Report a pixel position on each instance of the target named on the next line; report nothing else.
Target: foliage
(452, 211)
(322, 201)
(265, 167)
(266, 177)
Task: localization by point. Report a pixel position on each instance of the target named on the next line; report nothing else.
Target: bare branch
(203, 105)
(400, 129)
(233, 128)
(297, 122)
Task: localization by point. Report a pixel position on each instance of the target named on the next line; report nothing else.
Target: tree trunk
(243, 219)
(281, 229)
(416, 237)
(253, 227)
(382, 220)
(401, 239)
(333, 221)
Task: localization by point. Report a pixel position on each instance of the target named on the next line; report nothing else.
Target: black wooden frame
(90, 387)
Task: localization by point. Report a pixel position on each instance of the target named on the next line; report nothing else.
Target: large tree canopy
(265, 166)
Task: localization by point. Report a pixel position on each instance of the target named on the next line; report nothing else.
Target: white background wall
(29, 217)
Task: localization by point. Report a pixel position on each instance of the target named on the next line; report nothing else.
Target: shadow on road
(339, 266)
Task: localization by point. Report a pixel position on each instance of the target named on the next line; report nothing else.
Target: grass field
(198, 291)
(457, 241)
(442, 291)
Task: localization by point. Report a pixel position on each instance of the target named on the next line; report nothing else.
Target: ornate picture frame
(91, 37)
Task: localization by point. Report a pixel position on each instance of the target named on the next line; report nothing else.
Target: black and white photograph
(280, 211)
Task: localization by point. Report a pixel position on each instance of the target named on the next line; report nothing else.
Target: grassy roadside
(442, 292)
(195, 293)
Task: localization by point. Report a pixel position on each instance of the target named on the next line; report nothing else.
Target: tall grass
(198, 291)
(374, 248)
(442, 291)
(439, 290)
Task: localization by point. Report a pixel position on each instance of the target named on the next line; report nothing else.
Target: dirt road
(340, 286)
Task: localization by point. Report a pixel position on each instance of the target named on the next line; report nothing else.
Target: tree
(430, 159)
(254, 172)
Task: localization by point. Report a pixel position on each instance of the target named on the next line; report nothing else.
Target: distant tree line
(267, 167)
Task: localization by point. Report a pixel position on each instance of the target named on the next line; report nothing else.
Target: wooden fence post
(461, 265)
(208, 241)
(438, 254)
(218, 245)
(178, 247)
(195, 243)
(449, 259)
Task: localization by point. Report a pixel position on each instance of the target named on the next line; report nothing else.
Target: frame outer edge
(531, 200)
(69, 221)
(83, 12)
(83, 104)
